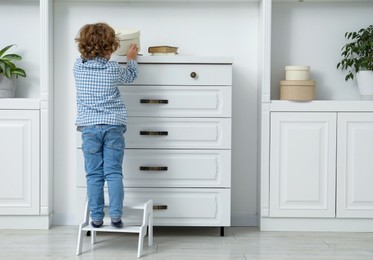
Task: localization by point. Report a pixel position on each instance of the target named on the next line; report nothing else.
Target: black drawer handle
(153, 133)
(193, 75)
(160, 207)
(153, 101)
(153, 168)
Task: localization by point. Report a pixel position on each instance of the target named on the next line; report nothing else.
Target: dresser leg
(221, 231)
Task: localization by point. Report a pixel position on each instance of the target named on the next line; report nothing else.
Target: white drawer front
(184, 74)
(177, 101)
(175, 168)
(171, 168)
(208, 133)
(177, 206)
(185, 207)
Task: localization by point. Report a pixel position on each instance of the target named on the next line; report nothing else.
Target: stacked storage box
(297, 85)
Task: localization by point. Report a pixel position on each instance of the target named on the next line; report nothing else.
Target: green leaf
(8, 73)
(5, 49)
(9, 64)
(357, 53)
(7, 67)
(19, 72)
(12, 57)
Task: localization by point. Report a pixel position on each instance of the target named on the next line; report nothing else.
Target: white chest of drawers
(178, 140)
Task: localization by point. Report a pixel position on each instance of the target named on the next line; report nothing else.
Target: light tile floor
(191, 243)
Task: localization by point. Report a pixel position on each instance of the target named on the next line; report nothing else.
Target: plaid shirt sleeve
(129, 74)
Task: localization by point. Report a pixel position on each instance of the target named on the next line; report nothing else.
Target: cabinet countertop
(175, 59)
(19, 103)
(322, 106)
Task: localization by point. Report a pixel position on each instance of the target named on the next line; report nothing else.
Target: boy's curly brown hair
(96, 39)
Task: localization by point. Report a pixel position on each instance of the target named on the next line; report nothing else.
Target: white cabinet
(20, 162)
(321, 170)
(178, 140)
(315, 156)
(26, 123)
(25, 188)
(355, 165)
(302, 176)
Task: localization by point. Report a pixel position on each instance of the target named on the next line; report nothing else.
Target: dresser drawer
(178, 101)
(171, 168)
(185, 207)
(206, 133)
(177, 168)
(184, 74)
(177, 206)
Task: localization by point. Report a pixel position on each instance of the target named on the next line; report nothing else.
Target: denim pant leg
(93, 162)
(114, 145)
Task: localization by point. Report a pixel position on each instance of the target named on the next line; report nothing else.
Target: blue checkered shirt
(97, 95)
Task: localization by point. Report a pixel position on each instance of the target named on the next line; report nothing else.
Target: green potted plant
(9, 72)
(357, 58)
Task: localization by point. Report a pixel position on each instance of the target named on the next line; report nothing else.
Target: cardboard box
(302, 90)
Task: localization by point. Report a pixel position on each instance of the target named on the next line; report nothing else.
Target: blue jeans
(103, 149)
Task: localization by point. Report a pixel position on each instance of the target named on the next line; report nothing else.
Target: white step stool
(128, 226)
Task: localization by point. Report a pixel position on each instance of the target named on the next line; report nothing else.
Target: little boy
(102, 117)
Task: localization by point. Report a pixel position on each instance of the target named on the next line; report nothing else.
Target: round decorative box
(302, 90)
(297, 72)
(127, 37)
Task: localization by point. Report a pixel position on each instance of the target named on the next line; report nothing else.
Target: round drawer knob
(193, 75)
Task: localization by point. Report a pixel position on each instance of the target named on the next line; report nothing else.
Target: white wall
(199, 29)
(313, 34)
(26, 37)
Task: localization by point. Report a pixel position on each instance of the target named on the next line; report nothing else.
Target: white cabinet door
(302, 167)
(355, 165)
(19, 157)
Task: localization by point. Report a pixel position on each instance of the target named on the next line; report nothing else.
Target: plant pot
(7, 87)
(365, 83)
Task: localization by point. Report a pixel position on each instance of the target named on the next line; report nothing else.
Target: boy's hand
(132, 52)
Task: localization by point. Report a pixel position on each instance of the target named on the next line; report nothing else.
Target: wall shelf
(297, 38)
